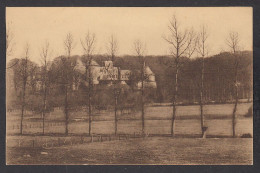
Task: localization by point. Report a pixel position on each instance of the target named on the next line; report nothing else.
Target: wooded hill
(218, 84)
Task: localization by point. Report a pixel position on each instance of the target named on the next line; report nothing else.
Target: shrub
(250, 112)
(246, 135)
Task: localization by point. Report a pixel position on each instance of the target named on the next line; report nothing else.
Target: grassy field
(77, 148)
(154, 150)
(157, 121)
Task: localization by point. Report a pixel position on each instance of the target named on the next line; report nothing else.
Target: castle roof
(148, 71)
(94, 63)
(82, 68)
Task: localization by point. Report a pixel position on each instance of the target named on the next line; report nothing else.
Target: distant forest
(218, 81)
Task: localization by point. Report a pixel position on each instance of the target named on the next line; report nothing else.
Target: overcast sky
(35, 25)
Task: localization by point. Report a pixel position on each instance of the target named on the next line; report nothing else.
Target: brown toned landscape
(170, 92)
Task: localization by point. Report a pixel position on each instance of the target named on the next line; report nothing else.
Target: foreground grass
(156, 150)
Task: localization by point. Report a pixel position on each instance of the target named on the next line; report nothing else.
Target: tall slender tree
(25, 74)
(69, 45)
(202, 50)
(9, 40)
(10, 45)
(233, 44)
(88, 45)
(180, 42)
(139, 48)
(45, 54)
(112, 48)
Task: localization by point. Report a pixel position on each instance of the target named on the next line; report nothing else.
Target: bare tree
(69, 45)
(9, 41)
(233, 44)
(45, 54)
(112, 47)
(24, 75)
(202, 50)
(88, 45)
(193, 45)
(180, 42)
(139, 49)
(10, 45)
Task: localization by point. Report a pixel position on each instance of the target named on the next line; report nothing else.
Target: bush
(250, 112)
(246, 135)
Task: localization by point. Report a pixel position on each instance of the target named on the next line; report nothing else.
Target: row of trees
(185, 43)
(179, 78)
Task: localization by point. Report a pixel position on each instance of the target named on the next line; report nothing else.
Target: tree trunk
(23, 96)
(43, 115)
(89, 97)
(236, 101)
(89, 115)
(174, 100)
(142, 99)
(220, 87)
(202, 99)
(115, 115)
(21, 122)
(66, 111)
(116, 97)
(44, 102)
(234, 114)
(44, 110)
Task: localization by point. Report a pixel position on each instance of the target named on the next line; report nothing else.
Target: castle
(108, 73)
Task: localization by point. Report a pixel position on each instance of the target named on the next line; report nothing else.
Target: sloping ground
(156, 150)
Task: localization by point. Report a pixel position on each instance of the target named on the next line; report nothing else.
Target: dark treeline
(219, 75)
(218, 81)
(218, 85)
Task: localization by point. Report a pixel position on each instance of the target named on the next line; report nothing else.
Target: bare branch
(69, 44)
(112, 47)
(202, 41)
(187, 43)
(181, 42)
(139, 48)
(88, 44)
(9, 41)
(26, 50)
(45, 51)
(169, 41)
(193, 45)
(9, 45)
(233, 41)
(11, 66)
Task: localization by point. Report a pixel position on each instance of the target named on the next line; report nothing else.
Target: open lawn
(77, 148)
(157, 121)
(155, 150)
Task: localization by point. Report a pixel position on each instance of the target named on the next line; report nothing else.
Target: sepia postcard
(129, 86)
